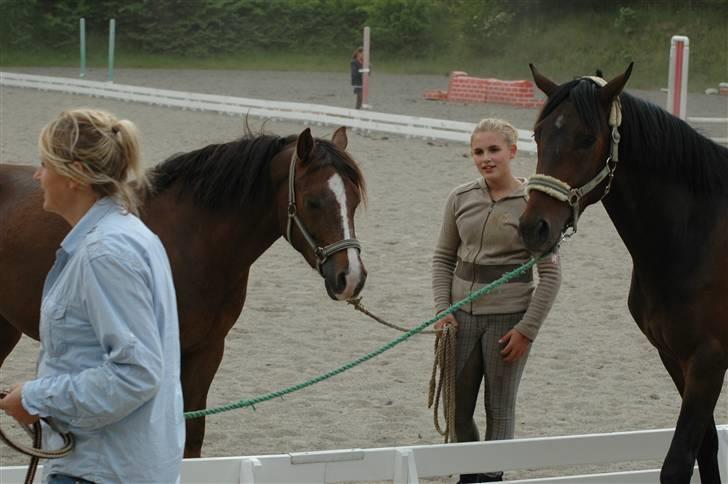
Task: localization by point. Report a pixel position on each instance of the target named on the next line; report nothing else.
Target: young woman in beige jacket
(478, 243)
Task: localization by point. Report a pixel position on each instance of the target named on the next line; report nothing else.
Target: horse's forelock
(584, 94)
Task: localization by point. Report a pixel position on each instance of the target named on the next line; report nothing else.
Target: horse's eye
(585, 141)
(312, 203)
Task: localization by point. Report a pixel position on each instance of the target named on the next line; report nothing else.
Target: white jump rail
(406, 465)
(409, 126)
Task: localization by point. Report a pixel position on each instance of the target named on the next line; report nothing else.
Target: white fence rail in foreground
(406, 465)
(409, 126)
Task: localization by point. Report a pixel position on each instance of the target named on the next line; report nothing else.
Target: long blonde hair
(498, 126)
(107, 149)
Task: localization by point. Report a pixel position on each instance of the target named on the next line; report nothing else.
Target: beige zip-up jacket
(478, 232)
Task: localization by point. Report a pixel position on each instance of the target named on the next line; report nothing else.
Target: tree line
(402, 28)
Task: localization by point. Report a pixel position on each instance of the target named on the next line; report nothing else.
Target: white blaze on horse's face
(559, 121)
(354, 276)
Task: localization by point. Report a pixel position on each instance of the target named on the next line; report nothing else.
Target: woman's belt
(486, 274)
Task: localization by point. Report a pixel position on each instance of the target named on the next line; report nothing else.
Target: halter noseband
(321, 253)
(561, 190)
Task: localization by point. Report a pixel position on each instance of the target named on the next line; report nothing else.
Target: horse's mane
(235, 173)
(652, 138)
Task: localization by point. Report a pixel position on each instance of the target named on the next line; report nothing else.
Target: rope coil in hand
(445, 359)
(36, 452)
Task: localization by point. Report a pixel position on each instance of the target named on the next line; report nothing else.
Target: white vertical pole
(677, 80)
(82, 38)
(112, 37)
(365, 71)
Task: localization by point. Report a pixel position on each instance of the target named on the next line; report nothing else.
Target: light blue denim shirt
(109, 364)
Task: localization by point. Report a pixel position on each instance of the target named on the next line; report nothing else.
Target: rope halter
(321, 253)
(561, 190)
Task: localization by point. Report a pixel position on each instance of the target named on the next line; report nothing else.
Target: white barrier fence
(409, 126)
(406, 465)
(368, 121)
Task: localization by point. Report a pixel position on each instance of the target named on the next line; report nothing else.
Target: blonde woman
(478, 243)
(109, 363)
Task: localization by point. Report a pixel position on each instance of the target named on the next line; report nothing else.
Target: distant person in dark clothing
(357, 63)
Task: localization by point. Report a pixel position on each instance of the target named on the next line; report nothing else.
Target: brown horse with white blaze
(216, 210)
(665, 188)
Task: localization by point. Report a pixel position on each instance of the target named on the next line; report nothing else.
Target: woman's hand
(448, 320)
(12, 404)
(516, 345)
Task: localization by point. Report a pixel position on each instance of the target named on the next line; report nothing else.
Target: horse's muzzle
(538, 234)
(343, 281)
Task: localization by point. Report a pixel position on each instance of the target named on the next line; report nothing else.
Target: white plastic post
(247, 469)
(723, 451)
(677, 80)
(365, 72)
(405, 469)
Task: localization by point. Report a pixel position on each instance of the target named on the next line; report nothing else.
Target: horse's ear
(304, 144)
(339, 138)
(546, 85)
(612, 89)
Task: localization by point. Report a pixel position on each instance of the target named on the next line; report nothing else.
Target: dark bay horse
(665, 188)
(216, 209)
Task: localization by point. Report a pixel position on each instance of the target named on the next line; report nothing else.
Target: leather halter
(321, 253)
(561, 190)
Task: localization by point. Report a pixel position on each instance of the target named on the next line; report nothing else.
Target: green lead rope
(280, 393)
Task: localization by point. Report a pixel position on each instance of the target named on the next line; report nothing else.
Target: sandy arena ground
(590, 370)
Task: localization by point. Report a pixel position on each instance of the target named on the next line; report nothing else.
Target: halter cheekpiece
(561, 190)
(321, 253)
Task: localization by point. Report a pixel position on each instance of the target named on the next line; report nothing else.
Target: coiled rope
(36, 452)
(445, 358)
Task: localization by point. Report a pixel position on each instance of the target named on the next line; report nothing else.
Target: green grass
(561, 48)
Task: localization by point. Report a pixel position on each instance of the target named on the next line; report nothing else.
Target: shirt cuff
(29, 397)
(527, 329)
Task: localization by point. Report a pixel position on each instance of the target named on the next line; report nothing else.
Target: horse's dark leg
(9, 337)
(198, 370)
(707, 455)
(701, 387)
(673, 368)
